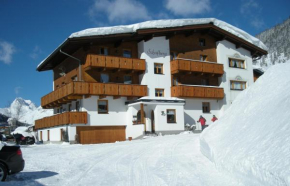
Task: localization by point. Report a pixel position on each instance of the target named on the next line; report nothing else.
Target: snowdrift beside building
(251, 140)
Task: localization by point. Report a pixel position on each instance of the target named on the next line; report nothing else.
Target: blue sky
(31, 29)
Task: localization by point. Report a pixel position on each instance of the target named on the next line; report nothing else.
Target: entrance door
(152, 121)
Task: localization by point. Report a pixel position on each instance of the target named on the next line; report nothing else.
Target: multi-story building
(117, 83)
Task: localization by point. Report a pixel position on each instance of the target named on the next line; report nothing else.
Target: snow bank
(122, 29)
(24, 131)
(251, 140)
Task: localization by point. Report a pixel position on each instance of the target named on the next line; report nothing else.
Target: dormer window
(104, 51)
(201, 42)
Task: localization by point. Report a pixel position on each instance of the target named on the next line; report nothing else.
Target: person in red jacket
(202, 121)
(214, 118)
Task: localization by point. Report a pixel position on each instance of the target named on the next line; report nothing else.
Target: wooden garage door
(101, 134)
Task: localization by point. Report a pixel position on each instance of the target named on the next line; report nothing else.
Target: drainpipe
(80, 70)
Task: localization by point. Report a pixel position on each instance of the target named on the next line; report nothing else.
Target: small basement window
(171, 115)
(238, 85)
(236, 63)
(103, 106)
(158, 68)
(205, 107)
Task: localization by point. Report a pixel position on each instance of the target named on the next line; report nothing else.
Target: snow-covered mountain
(277, 39)
(251, 140)
(25, 111)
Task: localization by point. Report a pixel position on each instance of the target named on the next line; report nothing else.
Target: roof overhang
(71, 45)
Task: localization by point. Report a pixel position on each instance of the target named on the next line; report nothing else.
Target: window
(171, 116)
(74, 78)
(205, 107)
(203, 58)
(104, 78)
(104, 51)
(201, 42)
(158, 68)
(127, 53)
(139, 116)
(77, 106)
(48, 135)
(103, 106)
(204, 82)
(175, 81)
(159, 92)
(173, 55)
(60, 110)
(57, 110)
(69, 107)
(237, 63)
(238, 85)
(127, 79)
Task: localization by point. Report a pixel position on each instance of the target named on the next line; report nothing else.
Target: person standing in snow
(202, 121)
(214, 118)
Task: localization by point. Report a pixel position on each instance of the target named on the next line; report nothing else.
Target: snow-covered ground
(162, 160)
(252, 139)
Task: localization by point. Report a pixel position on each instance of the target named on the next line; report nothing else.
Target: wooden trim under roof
(71, 45)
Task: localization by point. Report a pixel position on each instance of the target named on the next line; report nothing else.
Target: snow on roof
(168, 23)
(22, 130)
(252, 138)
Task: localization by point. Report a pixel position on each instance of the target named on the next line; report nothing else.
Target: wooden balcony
(75, 90)
(112, 62)
(197, 92)
(181, 65)
(62, 119)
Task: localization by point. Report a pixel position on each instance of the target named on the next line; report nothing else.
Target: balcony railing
(112, 62)
(197, 92)
(178, 65)
(62, 119)
(74, 90)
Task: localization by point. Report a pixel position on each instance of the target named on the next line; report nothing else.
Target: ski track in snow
(163, 160)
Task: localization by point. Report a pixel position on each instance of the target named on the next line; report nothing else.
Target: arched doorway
(152, 121)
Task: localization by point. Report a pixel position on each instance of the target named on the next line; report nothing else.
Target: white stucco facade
(226, 50)
(122, 112)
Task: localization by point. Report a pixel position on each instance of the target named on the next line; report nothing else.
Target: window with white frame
(238, 85)
(236, 63)
(159, 92)
(158, 68)
(171, 115)
(205, 107)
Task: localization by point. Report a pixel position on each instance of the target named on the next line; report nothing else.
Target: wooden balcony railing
(196, 66)
(62, 119)
(75, 90)
(197, 92)
(112, 62)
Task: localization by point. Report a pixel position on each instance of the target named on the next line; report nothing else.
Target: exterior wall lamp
(163, 113)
